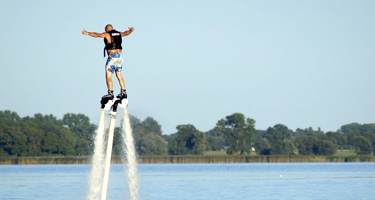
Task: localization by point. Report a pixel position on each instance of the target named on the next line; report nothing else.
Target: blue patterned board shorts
(114, 62)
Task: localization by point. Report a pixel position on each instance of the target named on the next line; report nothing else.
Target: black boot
(109, 95)
(122, 95)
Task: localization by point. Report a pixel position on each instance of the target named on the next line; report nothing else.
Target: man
(112, 41)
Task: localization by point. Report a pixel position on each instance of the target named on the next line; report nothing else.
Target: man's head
(108, 28)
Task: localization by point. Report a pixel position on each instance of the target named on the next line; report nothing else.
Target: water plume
(96, 176)
(129, 156)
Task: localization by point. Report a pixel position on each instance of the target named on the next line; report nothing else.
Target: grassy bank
(188, 159)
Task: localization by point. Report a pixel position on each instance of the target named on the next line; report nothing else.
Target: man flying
(112, 40)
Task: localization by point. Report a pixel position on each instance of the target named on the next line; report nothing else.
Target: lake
(197, 181)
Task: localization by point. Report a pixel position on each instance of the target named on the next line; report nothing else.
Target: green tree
(324, 147)
(6, 142)
(152, 125)
(134, 120)
(370, 136)
(305, 144)
(350, 128)
(215, 140)
(170, 137)
(238, 132)
(13, 141)
(18, 146)
(357, 128)
(189, 140)
(352, 138)
(34, 140)
(287, 147)
(117, 146)
(83, 130)
(307, 131)
(148, 137)
(337, 138)
(263, 147)
(274, 136)
(44, 134)
(278, 136)
(259, 135)
(50, 143)
(362, 146)
(152, 144)
(67, 142)
(76, 120)
(9, 116)
(9, 121)
(287, 133)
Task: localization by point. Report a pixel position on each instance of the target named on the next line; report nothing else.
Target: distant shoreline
(186, 159)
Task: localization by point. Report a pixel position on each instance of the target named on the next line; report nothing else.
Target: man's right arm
(128, 32)
(93, 34)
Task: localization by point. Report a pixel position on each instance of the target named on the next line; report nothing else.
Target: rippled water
(197, 181)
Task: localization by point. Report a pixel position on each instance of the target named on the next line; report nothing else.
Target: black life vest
(116, 41)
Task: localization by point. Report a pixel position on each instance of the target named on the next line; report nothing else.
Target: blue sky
(298, 63)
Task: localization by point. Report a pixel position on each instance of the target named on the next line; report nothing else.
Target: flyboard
(110, 104)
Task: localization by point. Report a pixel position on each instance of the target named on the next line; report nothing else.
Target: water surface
(197, 181)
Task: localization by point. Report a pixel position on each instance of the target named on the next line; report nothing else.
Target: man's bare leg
(122, 94)
(120, 80)
(108, 76)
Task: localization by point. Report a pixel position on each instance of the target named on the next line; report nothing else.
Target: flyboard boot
(121, 100)
(123, 97)
(107, 100)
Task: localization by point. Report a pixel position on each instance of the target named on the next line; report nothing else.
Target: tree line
(45, 135)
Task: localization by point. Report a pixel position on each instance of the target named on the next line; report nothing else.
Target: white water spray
(96, 176)
(129, 152)
(98, 180)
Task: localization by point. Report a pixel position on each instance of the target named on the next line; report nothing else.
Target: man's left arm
(128, 32)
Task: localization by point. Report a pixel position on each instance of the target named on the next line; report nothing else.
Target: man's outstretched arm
(93, 34)
(128, 32)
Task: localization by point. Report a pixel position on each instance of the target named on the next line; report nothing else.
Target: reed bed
(187, 159)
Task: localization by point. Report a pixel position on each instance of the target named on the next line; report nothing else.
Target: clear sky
(298, 63)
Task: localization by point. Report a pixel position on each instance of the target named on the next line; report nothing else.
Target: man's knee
(118, 74)
(108, 73)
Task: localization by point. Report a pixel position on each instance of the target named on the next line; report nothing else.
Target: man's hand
(84, 32)
(131, 29)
